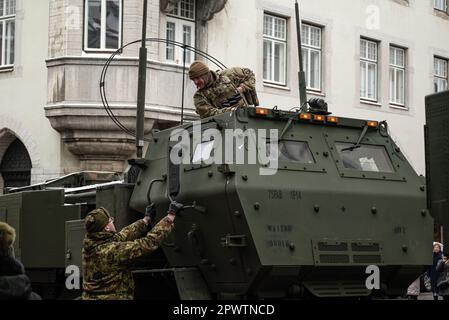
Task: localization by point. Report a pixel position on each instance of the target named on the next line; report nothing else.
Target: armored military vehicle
(343, 197)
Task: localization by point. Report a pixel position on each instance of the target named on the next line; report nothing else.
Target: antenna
(301, 74)
(140, 116)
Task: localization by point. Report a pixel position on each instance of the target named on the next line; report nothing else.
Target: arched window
(15, 166)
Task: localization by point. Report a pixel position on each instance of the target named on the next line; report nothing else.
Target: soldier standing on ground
(108, 255)
(222, 91)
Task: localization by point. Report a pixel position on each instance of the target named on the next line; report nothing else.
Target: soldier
(108, 255)
(222, 91)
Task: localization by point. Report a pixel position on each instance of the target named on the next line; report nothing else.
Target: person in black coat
(443, 277)
(432, 272)
(14, 283)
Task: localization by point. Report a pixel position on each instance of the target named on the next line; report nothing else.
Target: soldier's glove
(229, 102)
(175, 207)
(150, 211)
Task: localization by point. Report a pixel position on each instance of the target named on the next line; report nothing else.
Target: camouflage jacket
(107, 259)
(208, 101)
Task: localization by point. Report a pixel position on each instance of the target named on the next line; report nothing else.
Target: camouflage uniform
(208, 101)
(107, 259)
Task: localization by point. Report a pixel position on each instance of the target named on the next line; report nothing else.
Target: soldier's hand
(229, 102)
(150, 211)
(175, 207)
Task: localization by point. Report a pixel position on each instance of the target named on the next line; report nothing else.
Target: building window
(397, 76)
(440, 74)
(7, 29)
(103, 25)
(274, 49)
(368, 69)
(184, 9)
(441, 5)
(311, 55)
(180, 27)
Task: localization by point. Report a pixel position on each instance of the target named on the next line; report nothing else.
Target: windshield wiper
(357, 144)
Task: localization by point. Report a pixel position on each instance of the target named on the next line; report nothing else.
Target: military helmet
(197, 69)
(96, 220)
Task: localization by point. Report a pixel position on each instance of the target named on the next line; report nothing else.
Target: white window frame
(102, 28)
(397, 70)
(367, 61)
(441, 77)
(180, 22)
(307, 49)
(178, 13)
(440, 5)
(6, 46)
(179, 37)
(275, 40)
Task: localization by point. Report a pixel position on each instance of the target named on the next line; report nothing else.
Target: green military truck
(340, 196)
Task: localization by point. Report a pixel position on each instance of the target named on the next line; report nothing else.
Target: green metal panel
(115, 198)
(11, 206)
(3, 214)
(43, 228)
(74, 234)
(38, 217)
(437, 158)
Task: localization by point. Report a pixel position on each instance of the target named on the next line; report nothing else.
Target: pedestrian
(14, 283)
(108, 255)
(222, 91)
(443, 277)
(432, 272)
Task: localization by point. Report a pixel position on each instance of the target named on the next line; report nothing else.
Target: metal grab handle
(194, 206)
(194, 241)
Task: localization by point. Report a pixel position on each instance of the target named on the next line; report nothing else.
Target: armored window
(7, 32)
(441, 5)
(397, 76)
(365, 158)
(368, 69)
(440, 72)
(203, 151)
(102, 25)
(180, 28)
(274, 49)
(311, 55)
(292, 151)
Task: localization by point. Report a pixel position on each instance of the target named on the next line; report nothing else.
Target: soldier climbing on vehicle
(108, 255)
(222, 91)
